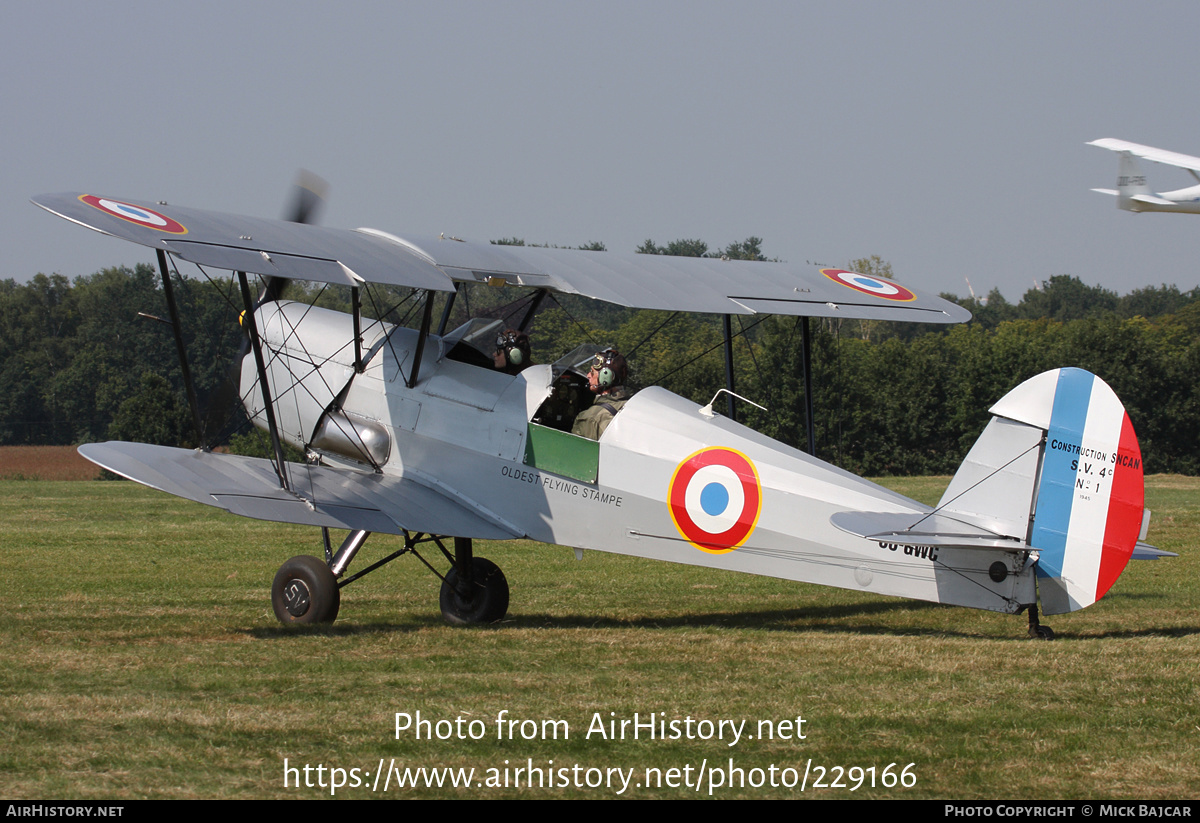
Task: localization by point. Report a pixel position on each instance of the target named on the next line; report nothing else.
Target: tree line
(93, 359)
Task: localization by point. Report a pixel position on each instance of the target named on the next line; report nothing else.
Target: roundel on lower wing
(715, 498)
(867, 284)
(140, 215)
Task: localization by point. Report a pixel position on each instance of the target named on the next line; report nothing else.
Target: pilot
(512, 352)
(606, 379)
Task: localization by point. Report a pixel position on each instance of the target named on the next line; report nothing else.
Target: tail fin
(1059, 465)
(1131, 183)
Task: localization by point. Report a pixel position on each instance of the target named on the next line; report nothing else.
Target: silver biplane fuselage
(465, 431)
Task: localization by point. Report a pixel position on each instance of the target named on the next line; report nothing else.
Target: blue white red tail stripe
(1124, 511)
(1089, 503)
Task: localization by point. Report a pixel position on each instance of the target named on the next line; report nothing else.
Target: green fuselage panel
(562, 453)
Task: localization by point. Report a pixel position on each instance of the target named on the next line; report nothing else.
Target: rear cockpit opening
(569, 392)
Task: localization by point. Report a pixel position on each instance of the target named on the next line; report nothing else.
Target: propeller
(308, 197)
(304, 206)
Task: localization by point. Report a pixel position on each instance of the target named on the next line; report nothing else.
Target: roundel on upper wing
(715, 498)
(140, 215)
(867, 284)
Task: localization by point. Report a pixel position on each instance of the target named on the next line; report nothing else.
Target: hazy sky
(946, 137)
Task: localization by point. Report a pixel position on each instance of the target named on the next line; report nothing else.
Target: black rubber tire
(490, 601)
(305, 591)
(1042, 633)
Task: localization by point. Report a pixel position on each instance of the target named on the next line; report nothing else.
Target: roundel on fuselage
(715, 498)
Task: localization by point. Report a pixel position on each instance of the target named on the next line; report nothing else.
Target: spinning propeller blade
(308, 196)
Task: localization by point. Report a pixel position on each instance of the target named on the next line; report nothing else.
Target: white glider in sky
(1132, 192)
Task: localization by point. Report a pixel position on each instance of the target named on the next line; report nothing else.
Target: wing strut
(726, 324)
(533, 307)
(806, 358)
(426, 319)
(806, 364)
(181, 349)
(441, 330)
(268, 408)
(356, 305)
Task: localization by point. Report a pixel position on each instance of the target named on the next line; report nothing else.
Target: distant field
(141, 659)
(45, 463)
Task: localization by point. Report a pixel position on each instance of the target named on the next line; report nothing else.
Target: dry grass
(45, 463)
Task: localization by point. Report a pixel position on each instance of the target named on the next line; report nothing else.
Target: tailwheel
(1036, 630)
(484, 599)
(305, 591)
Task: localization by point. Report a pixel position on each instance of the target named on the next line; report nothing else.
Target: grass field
(141, 659)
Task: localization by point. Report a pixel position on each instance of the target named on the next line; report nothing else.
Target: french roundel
(140, 215)
(715, 498)
(874, 286)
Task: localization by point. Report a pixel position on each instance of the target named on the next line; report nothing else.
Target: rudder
(1131, 183)
(1089, 495)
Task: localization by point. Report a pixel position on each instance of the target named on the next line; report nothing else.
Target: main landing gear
(308, 590)
(305, 591)
(481, 597)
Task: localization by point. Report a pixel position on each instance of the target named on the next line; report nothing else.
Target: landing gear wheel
(305, 591)
(488, 601)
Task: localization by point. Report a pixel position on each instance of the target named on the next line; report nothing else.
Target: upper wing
(279, 248)
(251, 244)
(691, 284)
(320, 496)
(1171, 158)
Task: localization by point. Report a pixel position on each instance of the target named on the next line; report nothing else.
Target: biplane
(411, 431)
(1132, 191)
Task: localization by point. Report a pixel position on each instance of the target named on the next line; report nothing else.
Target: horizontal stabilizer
(922, 529)
(320, 496)
(1144, 551)
(1150, 199)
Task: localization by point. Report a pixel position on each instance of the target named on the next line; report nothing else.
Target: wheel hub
(297, 598)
